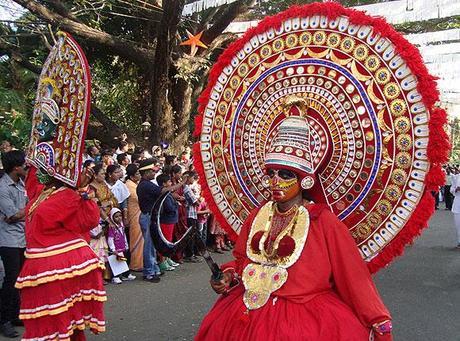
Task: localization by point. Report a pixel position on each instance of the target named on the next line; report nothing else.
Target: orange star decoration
(194, 41)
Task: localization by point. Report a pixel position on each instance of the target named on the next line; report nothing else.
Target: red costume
(60, 284)
(328, 295)
(61, 281)
(345, 103)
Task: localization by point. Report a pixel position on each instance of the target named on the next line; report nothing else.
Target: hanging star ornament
(194, 41)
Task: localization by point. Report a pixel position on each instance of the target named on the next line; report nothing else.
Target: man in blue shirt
(12, 237)
(148, 193)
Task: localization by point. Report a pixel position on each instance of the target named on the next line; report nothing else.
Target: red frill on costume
(328, 295)
(61, 283)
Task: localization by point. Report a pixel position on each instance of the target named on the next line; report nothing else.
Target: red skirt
(324, 318)
(60, 294)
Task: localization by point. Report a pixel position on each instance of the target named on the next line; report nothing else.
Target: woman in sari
(136, 240)
(106, 201)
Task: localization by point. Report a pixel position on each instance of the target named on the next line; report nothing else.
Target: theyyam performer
(60, 284)
(319, 144)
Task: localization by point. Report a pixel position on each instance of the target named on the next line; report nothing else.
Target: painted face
(283, 184)
(46, 129)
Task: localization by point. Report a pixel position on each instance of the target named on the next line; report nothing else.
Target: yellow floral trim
(56, 277)
(65, 307)
(56, 252)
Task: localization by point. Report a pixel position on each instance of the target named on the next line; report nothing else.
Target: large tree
(133, 47)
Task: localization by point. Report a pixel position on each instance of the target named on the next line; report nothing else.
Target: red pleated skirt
(324, 318)
(60, 294)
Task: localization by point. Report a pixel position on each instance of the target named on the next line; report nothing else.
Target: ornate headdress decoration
(297, 145)
(367, 115)
(61, 112)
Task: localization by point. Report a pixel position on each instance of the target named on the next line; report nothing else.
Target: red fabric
(61, 218)
(181, 227)
(329, 294)
(168, 230)
(33, 187)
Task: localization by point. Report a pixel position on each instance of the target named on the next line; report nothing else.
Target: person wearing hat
(295, 261)
(147, 193)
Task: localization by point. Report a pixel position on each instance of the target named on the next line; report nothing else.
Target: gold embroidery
(268, 273)
(260, 281)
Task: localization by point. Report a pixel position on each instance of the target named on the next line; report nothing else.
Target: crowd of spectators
(127, 182)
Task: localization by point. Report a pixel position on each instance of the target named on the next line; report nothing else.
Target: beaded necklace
(275, 232)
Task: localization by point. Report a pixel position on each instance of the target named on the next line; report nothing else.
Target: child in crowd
(98, 243)
(219, 235)
(118, 243)
(191, 204)
(203, 215)
(169, 216)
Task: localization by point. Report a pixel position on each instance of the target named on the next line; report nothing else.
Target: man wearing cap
(148, 192)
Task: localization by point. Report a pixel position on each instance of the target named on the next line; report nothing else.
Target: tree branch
(227, 16)
(116, 45)
(108, 124)
(15, 55)
(60, 9)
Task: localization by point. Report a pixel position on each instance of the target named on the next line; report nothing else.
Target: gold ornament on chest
(275, 243)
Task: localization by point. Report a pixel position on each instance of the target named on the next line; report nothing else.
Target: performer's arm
(77, 213)
(351, 277)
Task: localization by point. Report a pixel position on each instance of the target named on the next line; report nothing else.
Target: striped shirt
(190, 202)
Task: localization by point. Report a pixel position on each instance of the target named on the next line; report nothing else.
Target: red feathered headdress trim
(438, 146)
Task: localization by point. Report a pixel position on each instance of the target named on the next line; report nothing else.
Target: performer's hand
(87, 175)
(221, 286)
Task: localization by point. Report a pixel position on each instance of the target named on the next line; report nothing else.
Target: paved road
(421, 289)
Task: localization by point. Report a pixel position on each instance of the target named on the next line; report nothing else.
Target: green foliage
(15, 127)
(116, 92)
(430, 25)
(16, 98)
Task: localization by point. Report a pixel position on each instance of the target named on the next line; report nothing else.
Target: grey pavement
(421, 289)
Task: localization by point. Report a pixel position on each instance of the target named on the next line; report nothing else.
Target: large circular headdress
(369, 106)
(61, 112)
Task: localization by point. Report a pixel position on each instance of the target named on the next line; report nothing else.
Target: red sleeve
(241, 259)
(77, 214)
(33, 187)
(351, 277)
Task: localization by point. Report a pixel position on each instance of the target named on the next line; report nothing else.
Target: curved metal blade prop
(168, 248)
(163, 245)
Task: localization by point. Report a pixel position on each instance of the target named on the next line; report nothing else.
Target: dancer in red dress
(61, 285)
(336, 102)
(297, 273)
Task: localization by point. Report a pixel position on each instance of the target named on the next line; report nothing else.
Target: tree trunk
(181, 101)
(162, 118)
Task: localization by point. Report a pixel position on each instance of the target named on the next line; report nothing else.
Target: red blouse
(61, 217)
